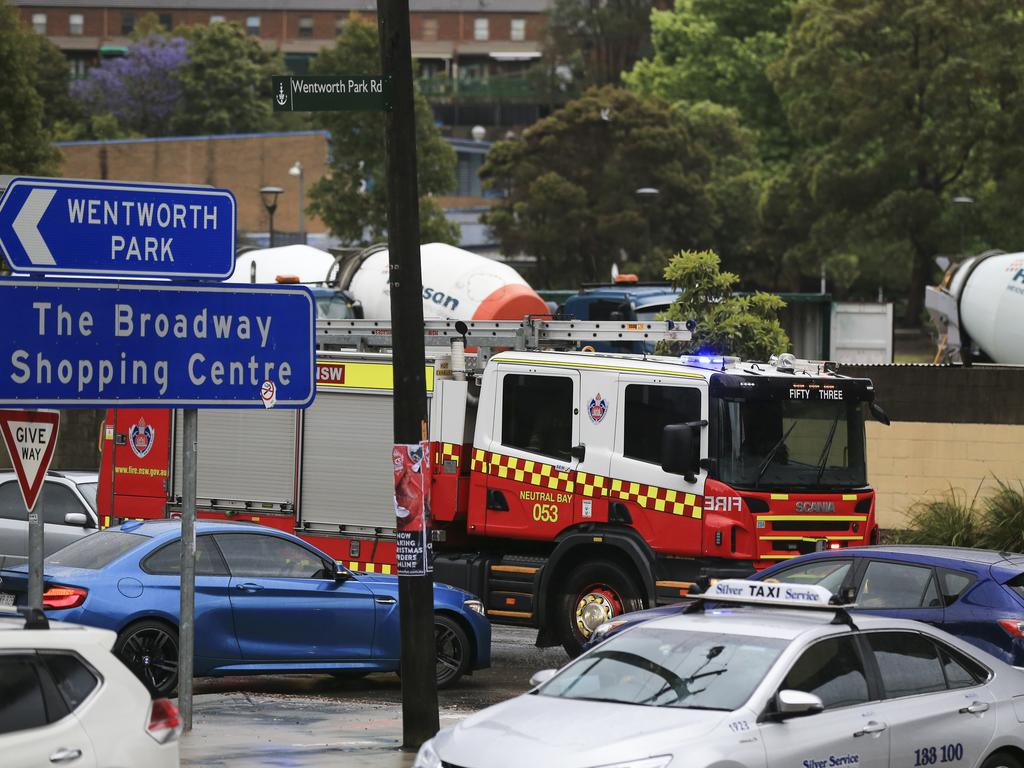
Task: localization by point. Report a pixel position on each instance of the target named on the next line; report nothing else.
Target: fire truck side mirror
(680, 448)
(878, 413)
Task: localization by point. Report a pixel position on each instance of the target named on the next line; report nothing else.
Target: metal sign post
(30, 437)
(186, 621)
(415, 592)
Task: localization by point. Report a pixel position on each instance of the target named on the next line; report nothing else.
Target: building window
(127, 23)
(252, 25)
(39, 23)
(305, 26)
(217, 19)
(481, 29)
(518, 29)
(76, 24)
(339, 25)
(78, 68)
(428, 31)
(166, 21)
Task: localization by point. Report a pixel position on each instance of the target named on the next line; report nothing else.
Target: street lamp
(962, 200)
(269, 195)
(647, 196)
(296, 170)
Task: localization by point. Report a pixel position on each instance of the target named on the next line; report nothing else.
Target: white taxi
(756, 675)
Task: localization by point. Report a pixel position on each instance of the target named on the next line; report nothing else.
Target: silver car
(68, 506)
(747, 680)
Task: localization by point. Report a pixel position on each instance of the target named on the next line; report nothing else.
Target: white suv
(65, 699)
(68, 506)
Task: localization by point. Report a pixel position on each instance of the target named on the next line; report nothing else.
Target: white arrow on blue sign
(77, 343)
(65, 226)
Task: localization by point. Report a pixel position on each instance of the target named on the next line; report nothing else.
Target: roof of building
(369, 6)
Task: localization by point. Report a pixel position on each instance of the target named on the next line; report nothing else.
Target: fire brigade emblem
(140, 438)
(597, 408)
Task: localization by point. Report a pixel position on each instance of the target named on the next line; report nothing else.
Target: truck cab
(620, 301)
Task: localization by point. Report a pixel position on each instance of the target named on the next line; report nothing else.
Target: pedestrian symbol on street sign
(31, 437)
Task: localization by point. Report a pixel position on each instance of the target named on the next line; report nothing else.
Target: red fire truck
(567, 486)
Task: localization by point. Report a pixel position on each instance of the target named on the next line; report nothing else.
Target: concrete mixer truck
(457, 284)
(978, 310)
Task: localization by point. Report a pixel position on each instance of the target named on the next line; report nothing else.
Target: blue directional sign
(77, 343)
(63, 226)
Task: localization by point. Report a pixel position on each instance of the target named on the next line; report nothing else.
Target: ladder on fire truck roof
(528, 334)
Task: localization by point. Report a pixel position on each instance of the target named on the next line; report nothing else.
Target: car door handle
(384, 600)
(976, 708)
(248, 587)
(870, 727)
(65, 755)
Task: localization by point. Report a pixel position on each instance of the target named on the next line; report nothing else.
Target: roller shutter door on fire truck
(244, 455)
(346, 461)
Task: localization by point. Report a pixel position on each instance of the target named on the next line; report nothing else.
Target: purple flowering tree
(140, 89)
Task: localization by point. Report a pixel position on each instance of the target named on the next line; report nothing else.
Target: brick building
(477, 48)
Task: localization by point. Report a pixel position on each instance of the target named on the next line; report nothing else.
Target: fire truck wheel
(453, 650)
(593, 593)
(149, 648)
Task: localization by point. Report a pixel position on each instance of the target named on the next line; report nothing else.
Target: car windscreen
(96, 550)
(657, 667)
(88, 491)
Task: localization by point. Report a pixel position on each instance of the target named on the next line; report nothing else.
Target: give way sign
(31, 437)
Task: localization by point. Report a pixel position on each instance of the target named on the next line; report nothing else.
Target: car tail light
(64, 597)
(1013, 627)
(164, 721)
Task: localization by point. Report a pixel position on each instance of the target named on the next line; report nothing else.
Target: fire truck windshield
(789, 444)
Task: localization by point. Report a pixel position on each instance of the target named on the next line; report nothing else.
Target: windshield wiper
(825, 451)
(771, 455)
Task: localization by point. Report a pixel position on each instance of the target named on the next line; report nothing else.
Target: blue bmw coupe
(265, 602)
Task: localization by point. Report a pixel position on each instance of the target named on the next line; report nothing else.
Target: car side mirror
(542, 677)
(680, 449)
(790, 703)
(341, 575)
(76, 518)
(878, 413)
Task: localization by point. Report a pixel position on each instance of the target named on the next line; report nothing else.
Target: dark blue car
(975, 594)
(265, 601)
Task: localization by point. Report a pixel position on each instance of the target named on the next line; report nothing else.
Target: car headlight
(474, 605)
(648, 762)
(604, 629)
(427, 757)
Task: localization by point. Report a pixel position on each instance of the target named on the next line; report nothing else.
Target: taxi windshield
(658, 667)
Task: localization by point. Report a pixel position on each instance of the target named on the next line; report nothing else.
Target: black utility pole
(415, 593)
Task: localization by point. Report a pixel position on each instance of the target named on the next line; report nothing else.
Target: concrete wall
(242, 163)
(952, 426)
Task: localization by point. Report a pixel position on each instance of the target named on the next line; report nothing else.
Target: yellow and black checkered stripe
(447, 452)
(586, 484)
(367, 567)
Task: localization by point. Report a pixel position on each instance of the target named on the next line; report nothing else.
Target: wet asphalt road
(315, 720)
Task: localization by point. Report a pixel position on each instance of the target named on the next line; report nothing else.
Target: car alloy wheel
(150, 650)
(452, 648)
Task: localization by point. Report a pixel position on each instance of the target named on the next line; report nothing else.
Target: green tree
(225, 82)
(899, 103)
(53, 80)
(599, 41)
(709, 50)
(352, 199)
(745, 326)
(24, 134)
(571, 182)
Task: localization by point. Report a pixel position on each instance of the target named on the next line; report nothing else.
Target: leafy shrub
(951, 519)
(1003, 518)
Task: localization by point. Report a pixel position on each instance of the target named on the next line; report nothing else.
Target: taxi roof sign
(765, 593)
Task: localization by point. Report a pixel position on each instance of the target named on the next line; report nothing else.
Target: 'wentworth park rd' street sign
(78, 343)
(71, 227)
(332, 93)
